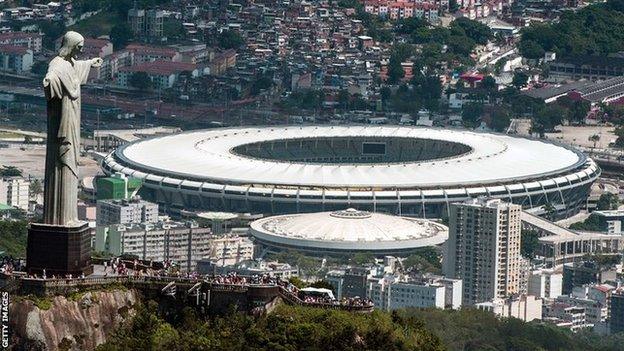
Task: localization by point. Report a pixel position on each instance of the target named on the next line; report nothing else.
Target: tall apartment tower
(484, 249)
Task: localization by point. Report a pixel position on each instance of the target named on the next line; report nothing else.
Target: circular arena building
(410, 171)
(347, 231)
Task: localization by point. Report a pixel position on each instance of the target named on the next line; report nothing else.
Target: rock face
(77, 323)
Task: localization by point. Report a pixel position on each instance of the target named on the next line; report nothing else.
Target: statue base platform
(59, 249)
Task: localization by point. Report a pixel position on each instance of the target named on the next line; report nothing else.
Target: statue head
(71, 45)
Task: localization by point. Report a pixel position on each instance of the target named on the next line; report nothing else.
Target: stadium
(347, 231)
(409, 171)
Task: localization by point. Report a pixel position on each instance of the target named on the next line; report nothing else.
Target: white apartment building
(483, 249)
(393, 292)
(15, 192)
(230, 249)
(181, 243)
(545, 283)
(525, 307)
(132, 211)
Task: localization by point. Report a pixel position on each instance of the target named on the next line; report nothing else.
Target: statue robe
(62, 90)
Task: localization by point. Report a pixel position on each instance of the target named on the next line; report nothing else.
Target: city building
(181, 243)
(586, 272)
(610, 221)
(15, 192)
(545, 283)
(524, 307)
(566, 315)
(295, 169)
(230, 249)
(146, 24)
(117, 187)
(31, 41)
(14, 58)
(616, 311)
(250, 267)
(484, 249)
(126, 212)
(586, 67)
(162, 74)
(346, 232)
(396, 291)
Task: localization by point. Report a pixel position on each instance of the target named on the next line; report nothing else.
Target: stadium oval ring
(409, 171)
(347, 231)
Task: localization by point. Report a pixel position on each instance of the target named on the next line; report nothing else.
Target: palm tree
(550, 211)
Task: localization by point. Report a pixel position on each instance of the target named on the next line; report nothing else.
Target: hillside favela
(319, 175)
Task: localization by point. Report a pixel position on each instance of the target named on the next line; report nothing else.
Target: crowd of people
(9, 264)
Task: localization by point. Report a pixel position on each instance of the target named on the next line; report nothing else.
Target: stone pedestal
(60, 250)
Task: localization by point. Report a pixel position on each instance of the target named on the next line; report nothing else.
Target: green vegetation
(286, 328)
(424, 260)
(10, 171)
(13, 236)
(470, 329)
(300, 328)
(140, 80)
(43, 303)
(608, 201)
(591, 224)
(229, 39)
(589, 31)
(529, 243)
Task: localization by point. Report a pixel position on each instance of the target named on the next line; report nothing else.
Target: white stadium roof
(207, 155)
(349, 230)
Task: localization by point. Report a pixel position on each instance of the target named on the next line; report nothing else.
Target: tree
(51, 31)
(10, 171)
(343, 98)
(531, 49)
(120, 34)
(550, 211)
(361, 258)
(520, 79)
(594, 139)
(500, 120)
(395, 70)
(471, 113)
(489, 83)
(35, 188)
(529, 243)
(296, 281)
(608, 201)
(229, 39)
(140, 80)
(474, 30)
(40, 68)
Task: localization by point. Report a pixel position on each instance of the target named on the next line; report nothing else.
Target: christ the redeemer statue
(62, 90)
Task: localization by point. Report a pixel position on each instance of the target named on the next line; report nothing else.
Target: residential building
(355, 282)
(31, 41)
(616, 311)
(162, 74)
(585, 272)
(572, 316)
(181, 243)
(397, 291)
(545, 283)
(524, 307)
(484, 249)
(230, 249)
(146, 24)
(126, 212)
(610, 221)
(14, 58)
(15, 192)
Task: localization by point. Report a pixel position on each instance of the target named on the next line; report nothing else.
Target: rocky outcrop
(80, 322)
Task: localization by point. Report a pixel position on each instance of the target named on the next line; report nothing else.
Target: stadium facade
(409, 171)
